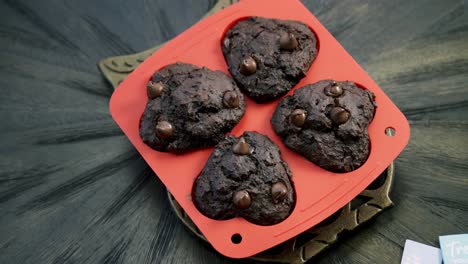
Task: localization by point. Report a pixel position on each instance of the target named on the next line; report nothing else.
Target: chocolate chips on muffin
(189, 108)
(267, 57)
(327, 123)
(245, 177)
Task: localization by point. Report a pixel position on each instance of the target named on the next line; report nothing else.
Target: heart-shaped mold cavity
(267, 57)
(189, 108)
(327, 122)
(245, 177)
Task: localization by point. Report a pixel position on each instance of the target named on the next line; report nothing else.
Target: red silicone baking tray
(319, 192)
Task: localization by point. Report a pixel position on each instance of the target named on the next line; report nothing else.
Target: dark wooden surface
(73, 190)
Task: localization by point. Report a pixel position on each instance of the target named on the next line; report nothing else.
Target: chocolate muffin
(267, 57)
(189, 108)
(245, 177)
(326, 122)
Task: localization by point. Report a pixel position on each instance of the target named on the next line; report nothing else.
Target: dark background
(73, 189)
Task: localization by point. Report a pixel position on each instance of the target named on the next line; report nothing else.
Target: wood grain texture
(73, 190)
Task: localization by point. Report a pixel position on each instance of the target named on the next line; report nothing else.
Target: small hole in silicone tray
(236, 239)
(390, 131)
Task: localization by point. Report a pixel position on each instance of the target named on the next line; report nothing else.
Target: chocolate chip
(288, 41)
(242, 200)
(334, 90)
(164, 129)
(241, 147)
(248, 66)
(298, 117)
(226, 43)
(279, 192)
(154, 89)
(339, 115)
(231, 99)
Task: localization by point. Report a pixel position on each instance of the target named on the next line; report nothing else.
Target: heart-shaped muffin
(189, 108)
(245, 177)
(267, 57)
(327, 123)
